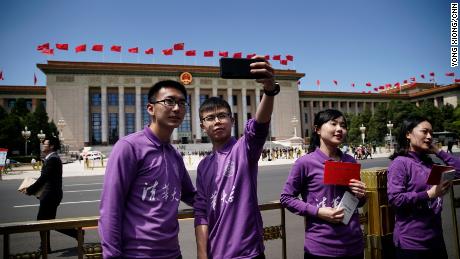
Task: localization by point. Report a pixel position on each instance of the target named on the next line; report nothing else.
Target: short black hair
(53, 141)
(212, 104)
(165, 84)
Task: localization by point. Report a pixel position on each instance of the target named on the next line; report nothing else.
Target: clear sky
(360, 41)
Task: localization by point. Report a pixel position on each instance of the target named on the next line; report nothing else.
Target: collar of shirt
(154, 139)
(420, 157)
(323, 157)
(228, 146)
(47, 156)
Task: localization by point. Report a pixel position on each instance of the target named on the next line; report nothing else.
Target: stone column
(104, 115)
(245, 106)
(197, 128)
(257, 96)
(138, 108)
(214, 90)
(86, 115)
(121, 111)
(230, 102)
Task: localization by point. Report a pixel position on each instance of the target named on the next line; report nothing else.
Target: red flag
(298, 83)
(250, 55)
(381, 87)
(167, 52)
(223, 54)
(98, 47)
(431, 73)
(405, 81)
(63, 46)
(397, 85)
(115, 48)
(276, 57)
(237, 55)
(457, 80)
(133, 50)
(376, 89)
(422, 76)
(412, 79)
(43, 46)
(267, 57)
(317, 82)
(208, 53)
(190, 53)
(290, 57)
(48, 51)
(352, 84)
(450, 74)
(368, 84)
(284, 62)
(335, 82)
(388, 85)
(149, 51)
(1, 75)
(179, 46)
(35, 79)
(80, 48)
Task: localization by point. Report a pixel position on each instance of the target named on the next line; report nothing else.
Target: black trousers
(310, 256)
(48, 210)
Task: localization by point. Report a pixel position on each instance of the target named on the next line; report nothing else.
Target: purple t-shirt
(417, 217)
(144, 182)
(226, 197)
(321, 237)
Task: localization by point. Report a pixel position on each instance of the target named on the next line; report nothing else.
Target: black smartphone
(238, 68)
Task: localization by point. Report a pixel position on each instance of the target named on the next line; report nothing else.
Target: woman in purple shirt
(418, 205)
(325, 234)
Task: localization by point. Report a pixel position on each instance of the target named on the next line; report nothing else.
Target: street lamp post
(41, 136)
(61, 124)
(26, 134)
(363, 130)
(390, 126)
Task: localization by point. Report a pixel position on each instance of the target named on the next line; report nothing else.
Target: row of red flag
(412, 81)
(45, 49)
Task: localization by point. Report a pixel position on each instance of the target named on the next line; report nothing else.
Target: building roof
(344, 95)
(22, 89)
(68, 67)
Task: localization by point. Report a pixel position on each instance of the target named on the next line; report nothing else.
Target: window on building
(129, 123)
(95, 99)
(203, 97)
(145, 114)
(314, 104)
(130, 99)
(96, 128)
(43, 101)
(112, 99)
(235, 100)
(186, 123)
(235, 127)
(10, 103)
(221, 96)
(249, 116)
(305, 117)
(113, 128)
(29, 104)
(248, 100)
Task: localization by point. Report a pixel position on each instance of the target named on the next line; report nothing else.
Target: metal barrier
(455, 202)
(95, 251)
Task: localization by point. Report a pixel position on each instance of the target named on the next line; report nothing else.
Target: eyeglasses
(220, 117)
(172, 102)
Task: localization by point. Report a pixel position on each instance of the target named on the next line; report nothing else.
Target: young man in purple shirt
(144, 182)
(228, 223)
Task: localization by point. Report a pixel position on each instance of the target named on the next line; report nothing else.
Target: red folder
(340, 173)
(436, 173)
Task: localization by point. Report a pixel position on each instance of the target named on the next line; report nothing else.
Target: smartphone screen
(237, 68)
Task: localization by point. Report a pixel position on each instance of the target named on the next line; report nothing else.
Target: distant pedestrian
(450, 144)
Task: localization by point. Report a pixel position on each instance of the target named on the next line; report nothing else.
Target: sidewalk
(77, 168)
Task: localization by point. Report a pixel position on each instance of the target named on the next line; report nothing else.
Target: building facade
(102, 102)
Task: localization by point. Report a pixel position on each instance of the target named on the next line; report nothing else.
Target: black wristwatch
(274, 91)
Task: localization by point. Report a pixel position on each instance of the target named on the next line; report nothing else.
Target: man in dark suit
(50, 185)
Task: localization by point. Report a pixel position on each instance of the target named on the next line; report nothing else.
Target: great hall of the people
(101, 102)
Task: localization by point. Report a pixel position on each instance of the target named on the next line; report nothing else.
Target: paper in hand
(28, 181)
(349, 203)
